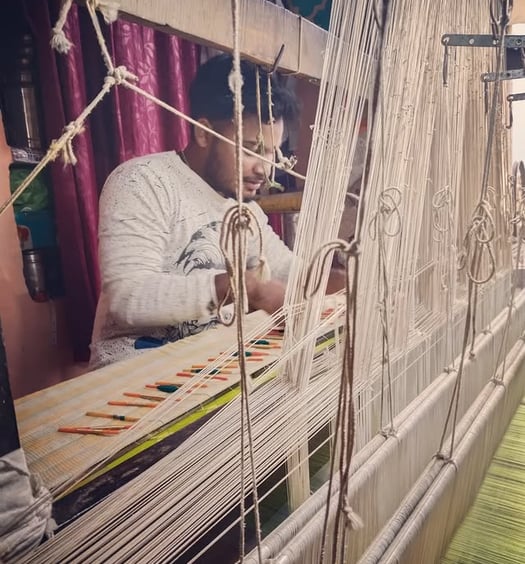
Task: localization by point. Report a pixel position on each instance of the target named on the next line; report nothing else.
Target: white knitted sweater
(159, 254)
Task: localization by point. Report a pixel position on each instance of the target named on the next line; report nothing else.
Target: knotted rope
(345, 416)
(442, 202)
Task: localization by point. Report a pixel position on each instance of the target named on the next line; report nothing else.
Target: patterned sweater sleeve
(278, 255)
(137, 207)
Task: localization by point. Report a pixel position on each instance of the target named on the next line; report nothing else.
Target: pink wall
(35, 336)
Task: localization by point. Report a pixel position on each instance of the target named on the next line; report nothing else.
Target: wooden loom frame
(266, 27)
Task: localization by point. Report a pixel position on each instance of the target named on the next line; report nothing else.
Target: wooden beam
(288, 202)
(265, 27)
(518, 13)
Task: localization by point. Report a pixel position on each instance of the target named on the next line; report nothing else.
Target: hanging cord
(285, 163)
(91, 6)
(345, 415)
(236, 223)
(442, 223)
(59, 41)
(388, 207)
(477, 242)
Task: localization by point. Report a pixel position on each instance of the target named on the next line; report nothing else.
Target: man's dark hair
(211, 97)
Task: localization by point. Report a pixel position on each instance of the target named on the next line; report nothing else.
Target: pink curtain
(123, 126)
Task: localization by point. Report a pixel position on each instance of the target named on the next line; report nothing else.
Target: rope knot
(59, 41)
(235, 84)
(287, 163)
(108, 8)
(120, 74)
(388, 205)
(244, 220)
(71, 130)
(442, 201)
(389, 201)
(239, 222)
(477, 242)
(64, 145)
(353, 520)
(483, 223)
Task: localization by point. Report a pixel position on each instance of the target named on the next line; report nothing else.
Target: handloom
(418, 388)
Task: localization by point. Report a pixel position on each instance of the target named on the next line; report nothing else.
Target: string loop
(478, 241)
(389, 201)
(442, 201)
(313, 275)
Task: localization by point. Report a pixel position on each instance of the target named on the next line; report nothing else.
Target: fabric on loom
(24, 501)
(157, 209)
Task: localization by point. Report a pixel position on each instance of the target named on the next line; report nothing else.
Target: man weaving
(163, 271)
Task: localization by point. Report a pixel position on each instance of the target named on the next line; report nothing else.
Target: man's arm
(280, 257)
(136, 210)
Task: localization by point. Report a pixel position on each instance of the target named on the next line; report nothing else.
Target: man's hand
(268, 296)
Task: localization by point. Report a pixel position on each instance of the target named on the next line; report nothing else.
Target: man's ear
(202, 137)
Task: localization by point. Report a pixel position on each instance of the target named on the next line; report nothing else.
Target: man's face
(219, 170)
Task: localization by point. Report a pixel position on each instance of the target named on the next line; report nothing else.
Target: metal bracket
(516, 97)
(464, 40)
(513, 98)
(505, 75)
